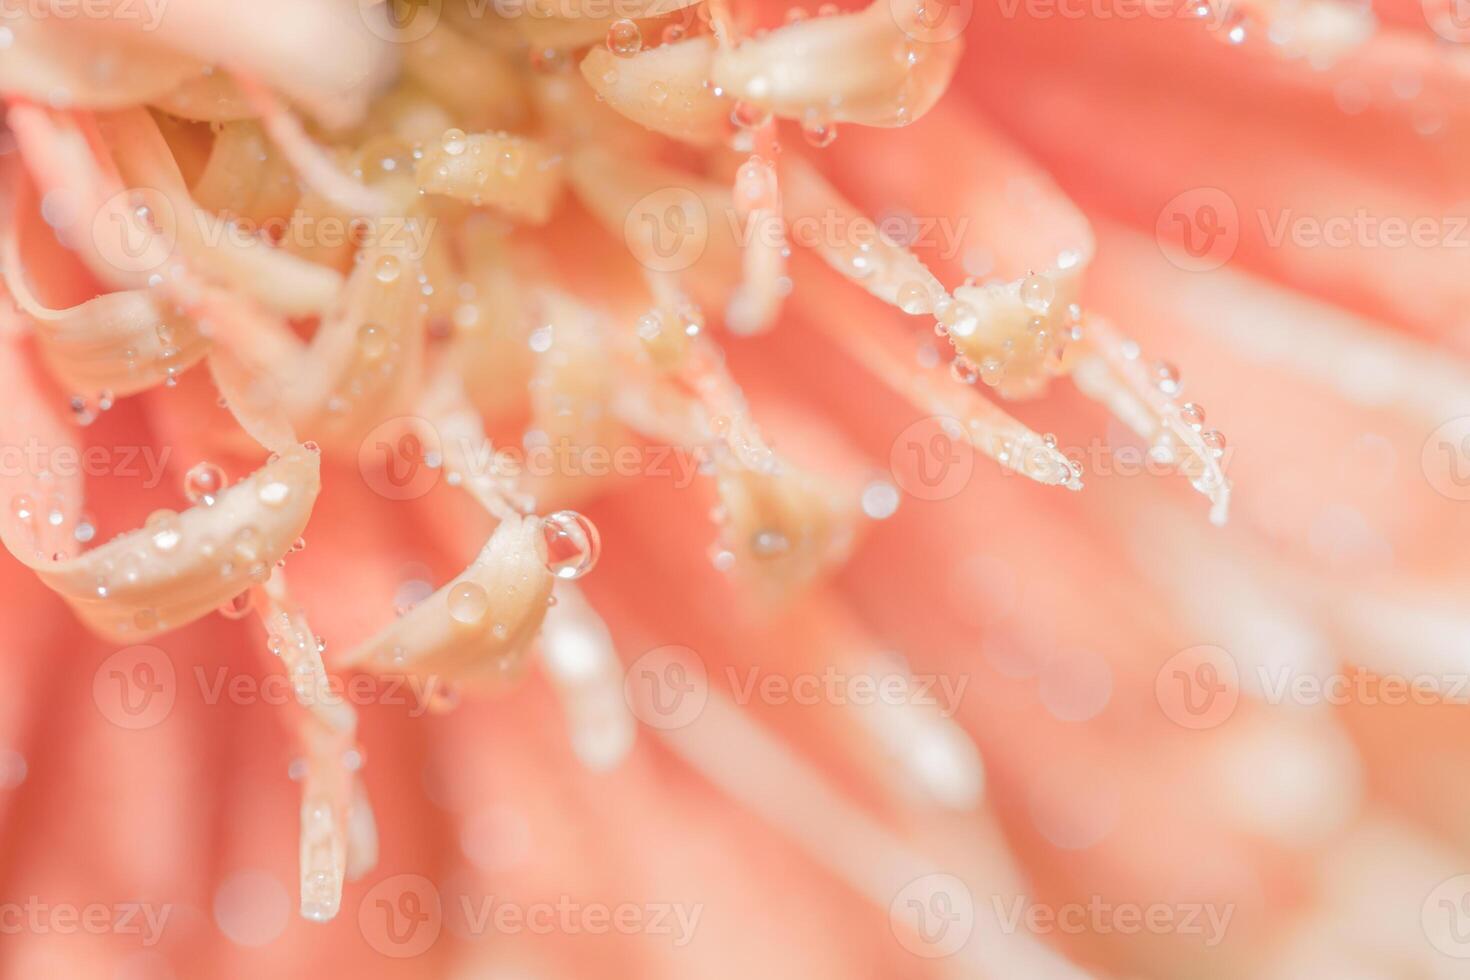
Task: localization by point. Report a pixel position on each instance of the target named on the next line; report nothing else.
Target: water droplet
(468, 603)
(1037, 293)
(238, 607)
(163, 530)
(203, 483)
(963, 370)
(442, 699)
(963, 320)
(769, 544)
(274, 493)
(454, 142)
(1214, 441)
(1192, 415)
(372, 340)
(880, 500)
(387, 270)
(22, 506)
(548, 60)
(572, 544)
(722, 558)
(913, 298)
(819, 134)
(246, 543)
(1232, 28)
(1166, 376)
(749, 115)
(624, 39)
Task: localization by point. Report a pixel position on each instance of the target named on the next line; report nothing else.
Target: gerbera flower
(593, 428)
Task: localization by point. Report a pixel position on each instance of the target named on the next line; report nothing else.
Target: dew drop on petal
(454, 142)
(1037, 293)
(749, 115)
(1166, 376)
(572, 544)
(819, 134)
(237, 607)
(468, 603)
(163, 530)
(913, 298)
(274, 493)
(372, 340)
(963, 320)
(769, 544)
(624, 39)
(387, 270)
(203, 483)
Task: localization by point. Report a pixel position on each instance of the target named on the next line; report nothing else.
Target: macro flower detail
(591, 467)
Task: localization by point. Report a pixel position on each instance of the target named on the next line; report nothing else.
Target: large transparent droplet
(203, 483)
(624, 39)
(468, 603)
(572, 544)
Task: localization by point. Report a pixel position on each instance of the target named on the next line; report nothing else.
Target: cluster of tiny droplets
(1166, 378)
